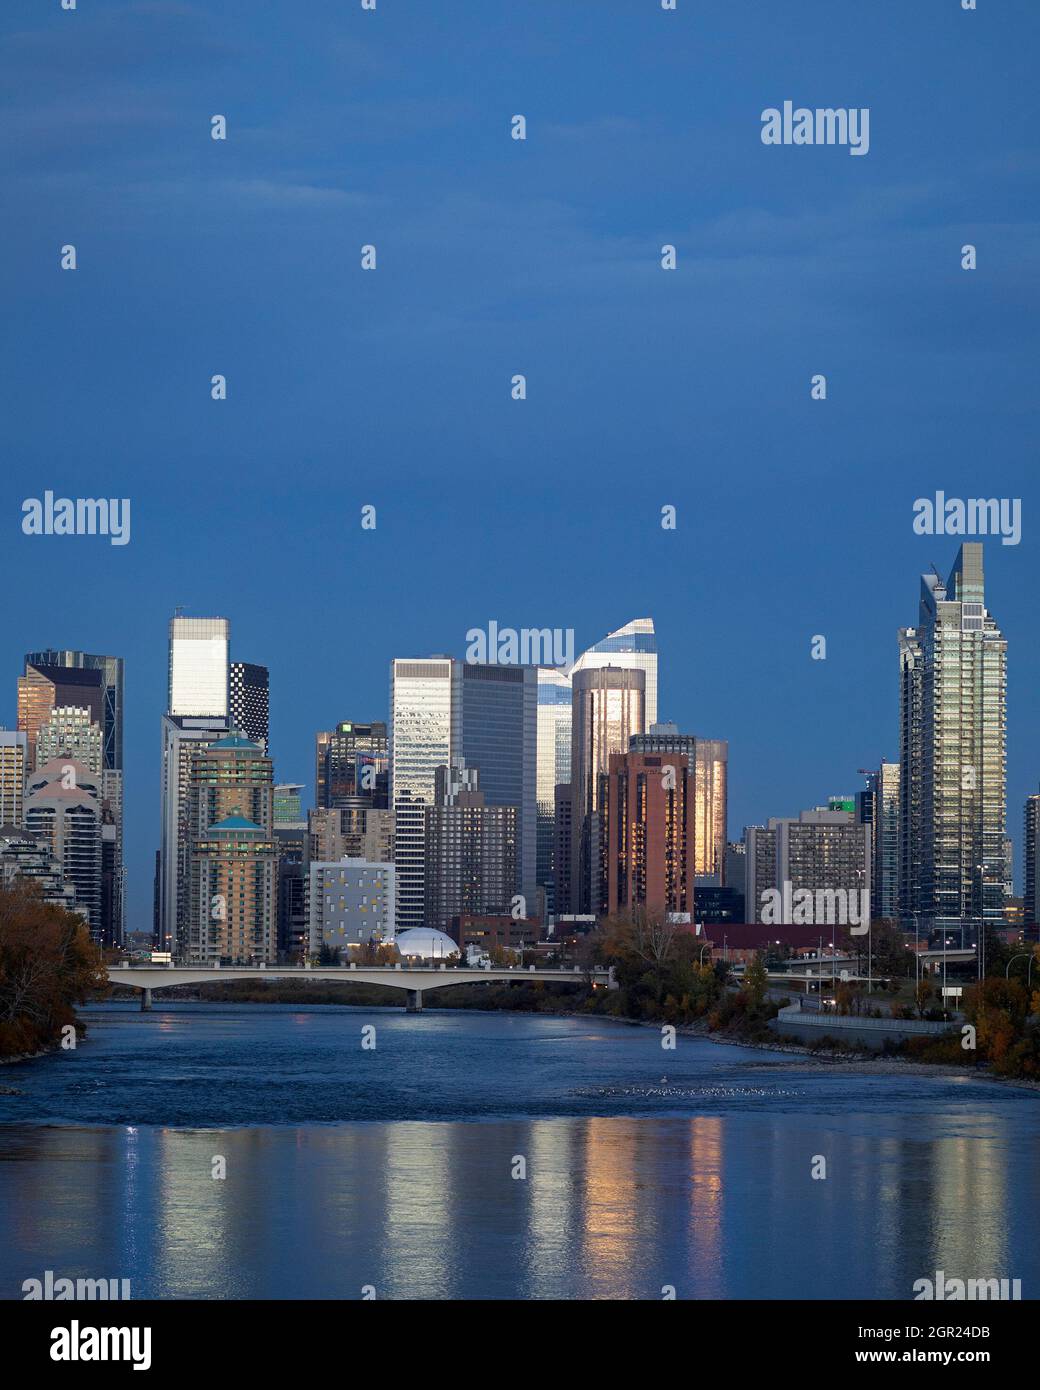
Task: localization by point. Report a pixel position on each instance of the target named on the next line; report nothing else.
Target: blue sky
(645, 387)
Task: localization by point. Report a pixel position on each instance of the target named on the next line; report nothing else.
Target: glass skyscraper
(554, 767)
(199, 667)
(420, 742)
(607, 708)
(633, 647)
(953, 734)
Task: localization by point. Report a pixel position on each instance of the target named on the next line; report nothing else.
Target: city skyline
(783, 803)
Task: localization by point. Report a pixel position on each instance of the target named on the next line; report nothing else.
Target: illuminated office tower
(607, 708)
(494, 710)
(234, 854)
(63, 807)
(351, 765)
(953, 732)
(554, 769)
(198, 668)
(420, 742)
(249, 701)
(14, 756)
(1032, 826)
(632, 647)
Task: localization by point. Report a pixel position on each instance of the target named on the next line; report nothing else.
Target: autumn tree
(48, 964)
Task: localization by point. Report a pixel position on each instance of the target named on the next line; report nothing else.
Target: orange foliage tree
(48, 964)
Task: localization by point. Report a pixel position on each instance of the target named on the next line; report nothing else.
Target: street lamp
(1023, 955)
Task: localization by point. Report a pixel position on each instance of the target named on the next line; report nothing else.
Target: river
(263, 1151)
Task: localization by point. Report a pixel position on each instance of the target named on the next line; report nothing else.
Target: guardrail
(881, 1025)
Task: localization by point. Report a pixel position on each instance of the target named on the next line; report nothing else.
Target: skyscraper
(554, 768)
(198, 679)
(878, 806)
(633, 648)
(1032, 829)
(351, 765)
(607, 708)
(87, 680)
(709, 806)
(420, 742)
(44, 688)
(471, 850)
(63, 807)
(249, 701)
(953, 730)
(494, 714)
(233, 864)
(180, 735)
(197, 714)
(110, 669)
(649, 835)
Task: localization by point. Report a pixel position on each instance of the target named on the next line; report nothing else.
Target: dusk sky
(541, 257)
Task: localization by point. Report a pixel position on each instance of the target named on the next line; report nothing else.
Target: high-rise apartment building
(31, 858)
(14, 758)
(63, 808)
(249, 701)
(709, 810)
(953, 731)
(819, 852)
(181, 735)
(198, 668)
(471, 850)
(607, 707)
(648, 835)
(234, 856)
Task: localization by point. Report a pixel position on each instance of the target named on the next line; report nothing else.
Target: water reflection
(609, 1208)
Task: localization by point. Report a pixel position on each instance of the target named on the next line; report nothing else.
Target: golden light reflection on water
(608, 1208)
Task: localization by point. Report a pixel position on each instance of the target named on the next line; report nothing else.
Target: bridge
(413, 979)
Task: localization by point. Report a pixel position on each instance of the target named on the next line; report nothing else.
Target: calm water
(393, 1167)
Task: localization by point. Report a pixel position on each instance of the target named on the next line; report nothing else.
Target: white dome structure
(425, 943)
